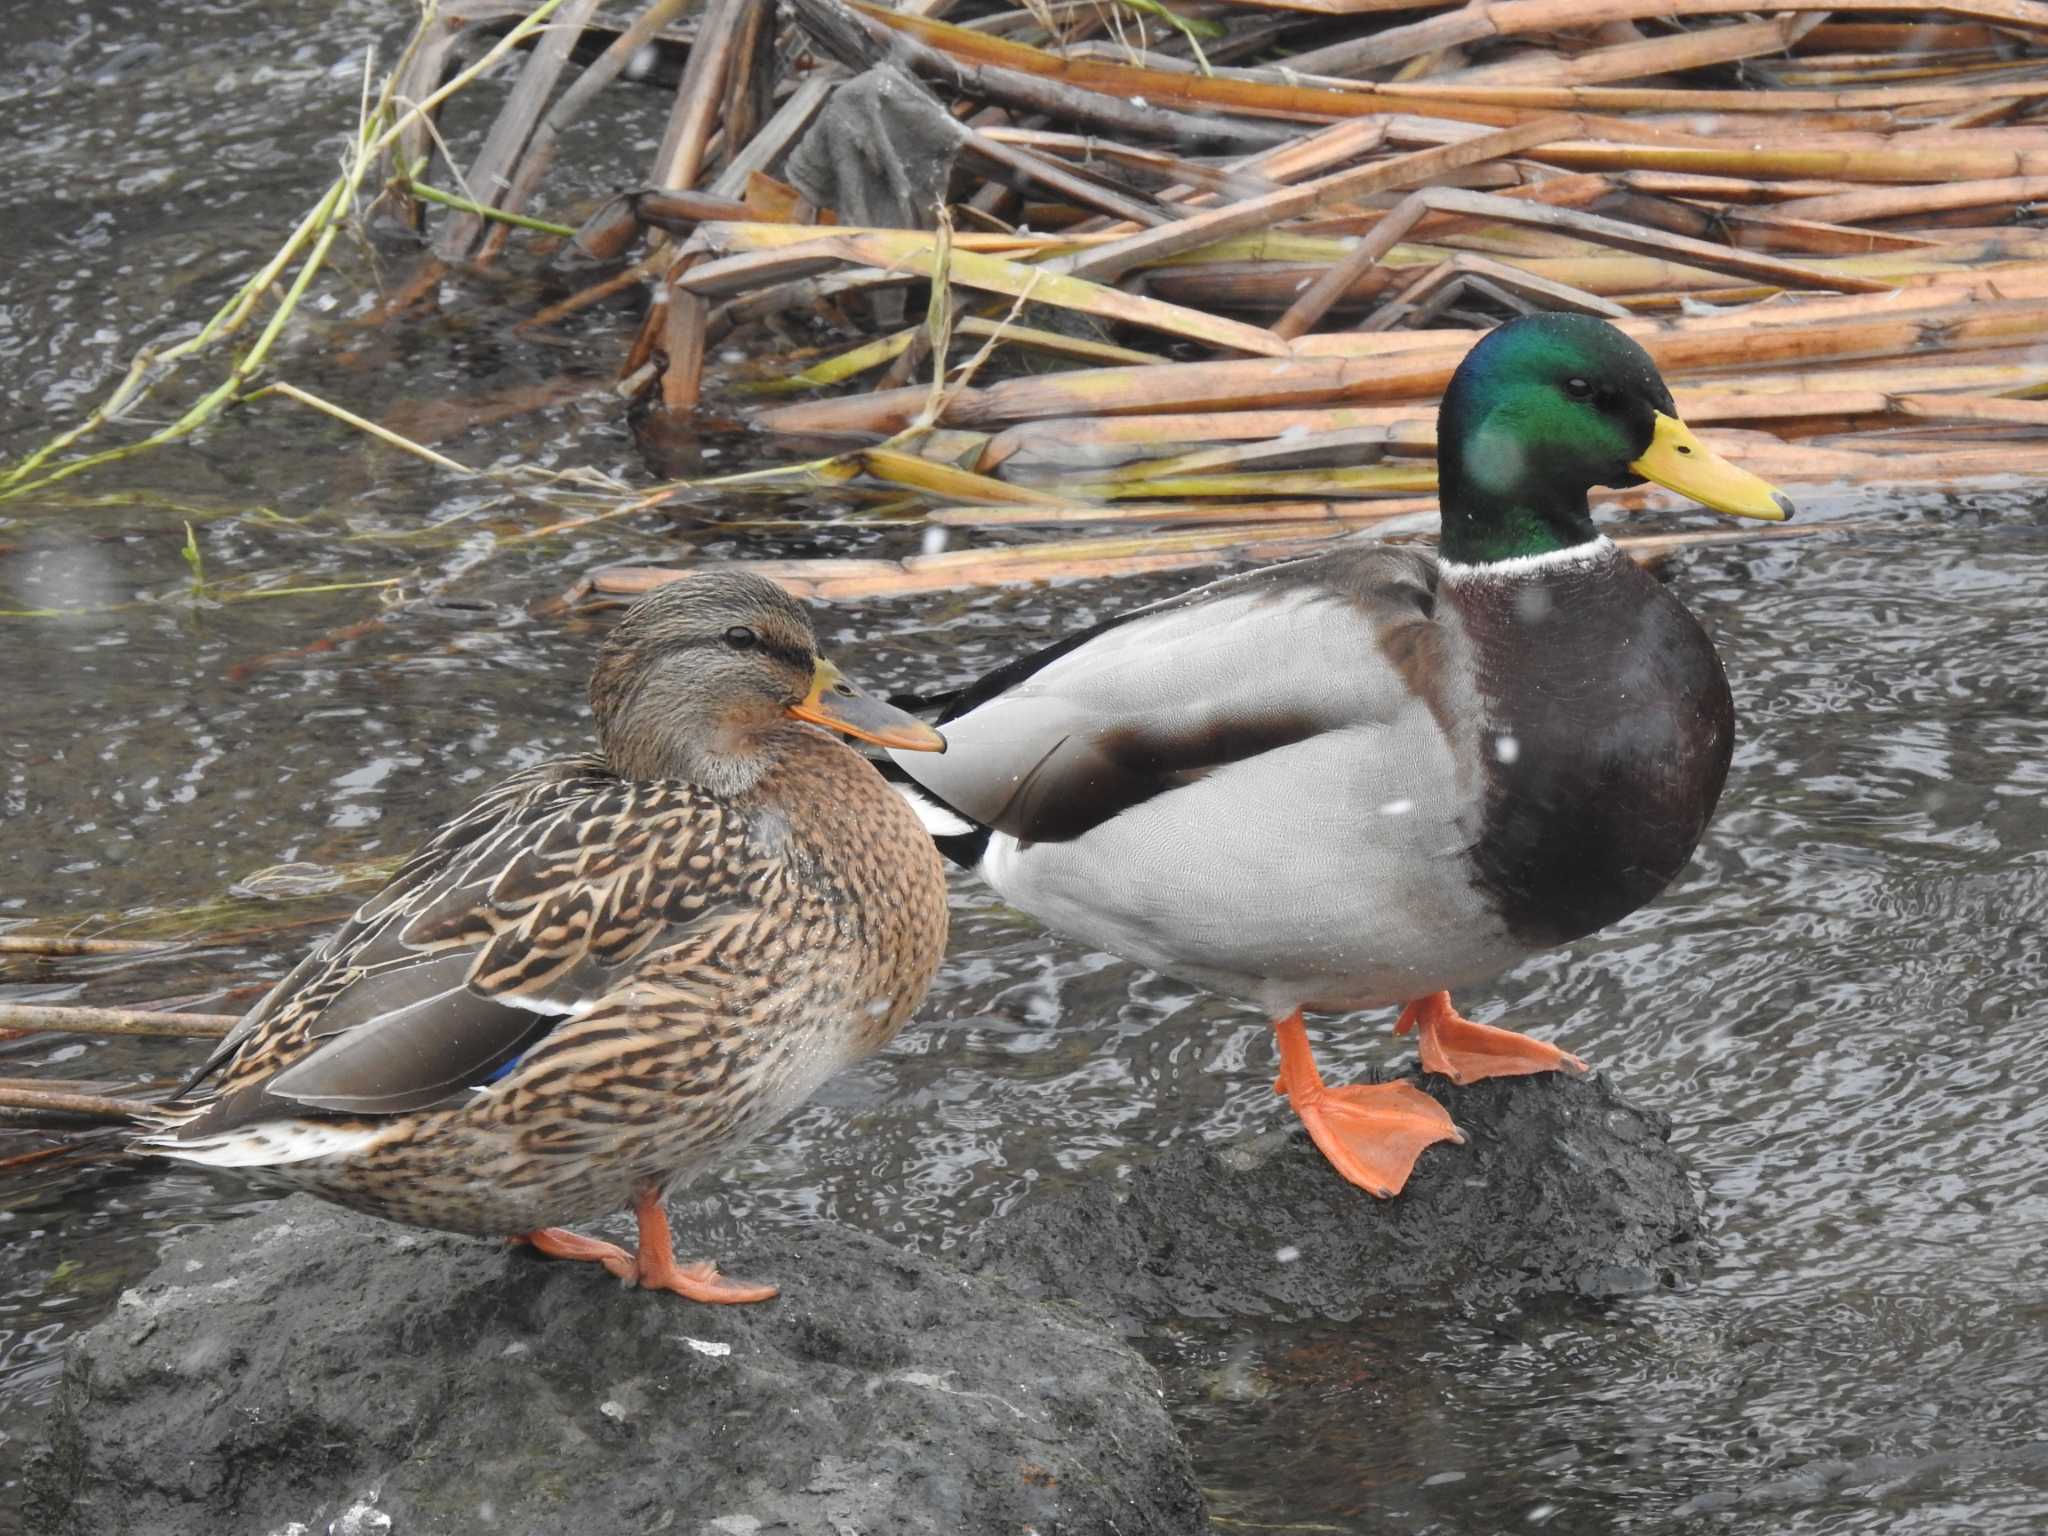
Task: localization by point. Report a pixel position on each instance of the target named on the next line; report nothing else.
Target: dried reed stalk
(54, 946)
(20, 1098)
(117, 1021)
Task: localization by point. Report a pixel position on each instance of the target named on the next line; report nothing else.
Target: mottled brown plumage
(612, 970)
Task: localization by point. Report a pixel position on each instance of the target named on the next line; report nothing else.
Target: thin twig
(117, 1021)
(77, 1106)
(37, 944)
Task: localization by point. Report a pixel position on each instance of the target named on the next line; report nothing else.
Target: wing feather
(531, 909)
(1163, 697)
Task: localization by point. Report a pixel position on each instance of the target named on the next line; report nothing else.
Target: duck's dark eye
(1579, 389)
(741, 638)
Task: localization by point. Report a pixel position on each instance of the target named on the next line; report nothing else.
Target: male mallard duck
(611, 970)
(1371, 776)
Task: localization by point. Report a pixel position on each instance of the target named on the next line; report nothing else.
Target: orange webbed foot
(658, 1269)
(561, 1243)
(654, 1268)
(702, 1282)
(1467, 1052)
(1373, 1133)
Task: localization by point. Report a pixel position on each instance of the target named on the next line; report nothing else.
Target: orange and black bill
(838, 705)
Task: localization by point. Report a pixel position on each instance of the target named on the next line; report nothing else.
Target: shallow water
(1840, 1004)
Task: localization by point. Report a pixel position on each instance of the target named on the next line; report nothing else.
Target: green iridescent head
(1544, 409)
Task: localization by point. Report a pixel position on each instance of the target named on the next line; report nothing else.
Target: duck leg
(1467, 1052)
(655, 1266)
(1372, 1133)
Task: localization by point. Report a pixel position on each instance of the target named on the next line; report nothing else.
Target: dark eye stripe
(795, 656)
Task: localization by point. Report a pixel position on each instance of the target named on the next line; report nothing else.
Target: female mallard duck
(611, 970)
(1371, 776)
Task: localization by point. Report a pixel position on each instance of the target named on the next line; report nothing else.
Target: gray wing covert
(1169, 694)
(532, 919)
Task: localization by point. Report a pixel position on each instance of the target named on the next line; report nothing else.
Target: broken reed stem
(699, 99)
(540, 147)
(33, 944)
(71, 1106)
(369, 428)
(427, 194)
(491, 169)
(117, 1021)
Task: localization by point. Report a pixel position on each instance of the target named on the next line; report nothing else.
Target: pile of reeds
(1191, 274)
(1209, 272)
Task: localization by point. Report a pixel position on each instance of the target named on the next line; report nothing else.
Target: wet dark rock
(1563, 1187)
(313, 1367)
(317, 1367)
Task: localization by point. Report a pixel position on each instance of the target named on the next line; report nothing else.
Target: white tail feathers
(266, 1144)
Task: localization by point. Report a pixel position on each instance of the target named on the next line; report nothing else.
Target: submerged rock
(1562, 1187)
(312, 1369)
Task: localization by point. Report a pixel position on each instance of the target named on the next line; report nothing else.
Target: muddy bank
(310, 1366)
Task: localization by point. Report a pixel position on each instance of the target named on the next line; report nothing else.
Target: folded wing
(1058, 743)
(527, 912)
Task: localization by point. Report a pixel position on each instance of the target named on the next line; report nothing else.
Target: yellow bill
(1680, 462)
(838, 705)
